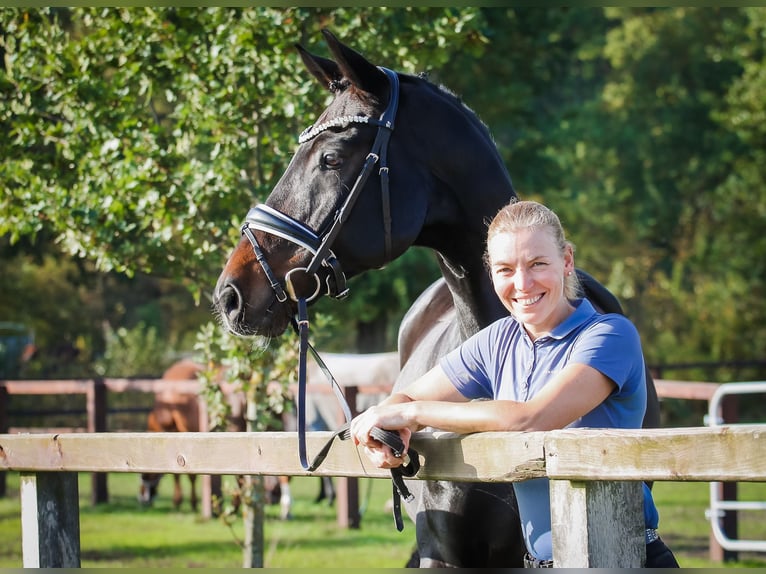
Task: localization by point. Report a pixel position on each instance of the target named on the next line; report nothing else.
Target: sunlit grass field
(123, 534)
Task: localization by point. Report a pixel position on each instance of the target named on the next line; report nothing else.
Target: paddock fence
(375, 378)
(595, 475)
(724, 502)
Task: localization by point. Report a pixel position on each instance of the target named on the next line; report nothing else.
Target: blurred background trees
(136, 138)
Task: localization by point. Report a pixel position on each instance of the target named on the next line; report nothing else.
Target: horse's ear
(324, 70)
(356, 68)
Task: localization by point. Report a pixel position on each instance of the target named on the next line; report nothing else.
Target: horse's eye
(331, 160)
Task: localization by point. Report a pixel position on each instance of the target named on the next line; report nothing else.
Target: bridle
(269, 220)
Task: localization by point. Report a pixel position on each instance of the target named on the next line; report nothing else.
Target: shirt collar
(583, 312)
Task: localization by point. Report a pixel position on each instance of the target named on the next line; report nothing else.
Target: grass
(685, 529)
(122, 534)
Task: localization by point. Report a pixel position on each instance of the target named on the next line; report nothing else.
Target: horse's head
(333, 213)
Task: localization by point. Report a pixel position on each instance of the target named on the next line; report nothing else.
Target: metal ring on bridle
(290, 288)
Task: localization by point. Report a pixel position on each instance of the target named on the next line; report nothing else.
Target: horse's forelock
(339, 85)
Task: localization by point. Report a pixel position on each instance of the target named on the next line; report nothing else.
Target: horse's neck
(471, 184)
(477, 195)
(460, 245)
(476, 304)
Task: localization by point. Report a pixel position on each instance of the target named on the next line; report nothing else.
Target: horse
(179, 412)
(173, 412)
(439, 179)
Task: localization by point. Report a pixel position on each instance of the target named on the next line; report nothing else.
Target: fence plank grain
(486, 457)
(727, 453)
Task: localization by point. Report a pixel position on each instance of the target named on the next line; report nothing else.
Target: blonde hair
(518, 215)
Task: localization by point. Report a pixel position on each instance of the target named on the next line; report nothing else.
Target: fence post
(347, 491)
(50, 520)
(597, 524)
(97, 407)
(726, 491)
(211, 483)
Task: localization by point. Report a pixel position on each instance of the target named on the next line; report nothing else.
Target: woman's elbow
(524, 417)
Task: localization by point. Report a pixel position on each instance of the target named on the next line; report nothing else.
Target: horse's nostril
(230, 301)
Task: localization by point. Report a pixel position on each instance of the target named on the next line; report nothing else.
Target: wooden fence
(595, 475)
(377, 379)
(97, 391)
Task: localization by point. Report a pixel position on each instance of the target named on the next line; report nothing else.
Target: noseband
(269, 220)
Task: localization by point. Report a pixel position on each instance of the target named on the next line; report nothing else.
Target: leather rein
(269, 220)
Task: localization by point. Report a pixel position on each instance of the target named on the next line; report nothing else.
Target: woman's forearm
(476, 416)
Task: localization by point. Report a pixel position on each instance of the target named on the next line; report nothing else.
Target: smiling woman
(532, 266)
(554, 363)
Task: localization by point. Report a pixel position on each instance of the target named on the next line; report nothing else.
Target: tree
(640, 127)
(138, 137)
(657, 164)
(264, 373)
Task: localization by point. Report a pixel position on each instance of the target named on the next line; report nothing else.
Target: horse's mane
(457, 102)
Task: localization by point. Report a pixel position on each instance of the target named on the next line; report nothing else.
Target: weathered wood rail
(378, 377)
(595, 474)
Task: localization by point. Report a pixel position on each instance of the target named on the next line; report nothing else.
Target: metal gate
(718, 506)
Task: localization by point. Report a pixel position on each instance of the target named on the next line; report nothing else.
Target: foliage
(137, 137)
(640, 127)
(70, 308)
(263, 370)
(132, 352)
(664, 168)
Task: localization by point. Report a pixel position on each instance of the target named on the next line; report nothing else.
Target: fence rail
(587, 468)
(97, 391)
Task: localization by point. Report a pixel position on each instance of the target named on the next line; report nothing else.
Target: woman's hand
(387, 417)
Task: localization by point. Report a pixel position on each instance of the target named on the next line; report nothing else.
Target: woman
(554, 363)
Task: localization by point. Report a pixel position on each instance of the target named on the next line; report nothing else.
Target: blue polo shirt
(502, 362)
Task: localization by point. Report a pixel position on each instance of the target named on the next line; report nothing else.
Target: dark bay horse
(179, 412)
(437, 180)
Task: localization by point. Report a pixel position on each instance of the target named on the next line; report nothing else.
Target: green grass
(685, 529)
(122, 534)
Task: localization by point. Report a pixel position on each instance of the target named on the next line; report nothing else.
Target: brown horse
(179, 412)
(173, 412)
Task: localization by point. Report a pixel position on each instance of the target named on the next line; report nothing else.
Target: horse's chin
(252, 325)
(247, 314)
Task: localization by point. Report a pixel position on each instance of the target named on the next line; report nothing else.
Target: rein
(269, 220)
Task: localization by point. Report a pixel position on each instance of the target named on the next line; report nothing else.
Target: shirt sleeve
(472, 367)
(612, 346)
